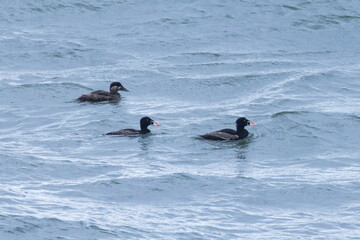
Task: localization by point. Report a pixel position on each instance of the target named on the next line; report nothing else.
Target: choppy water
(292, 67)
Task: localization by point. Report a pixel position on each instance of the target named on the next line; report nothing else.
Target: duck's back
(220, 135)
(228, 131)
(98, 96)
(225, 134)
(128, 131)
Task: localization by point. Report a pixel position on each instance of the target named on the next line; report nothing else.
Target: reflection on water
(146, 141)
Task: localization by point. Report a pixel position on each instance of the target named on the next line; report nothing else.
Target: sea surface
(292, 67)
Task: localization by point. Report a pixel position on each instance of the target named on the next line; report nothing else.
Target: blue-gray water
(292, 67)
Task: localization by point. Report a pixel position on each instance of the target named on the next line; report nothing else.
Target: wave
(284, 113)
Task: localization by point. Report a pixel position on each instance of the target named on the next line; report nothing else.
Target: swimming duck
(230, 134)
(101, 95)
(144, 123)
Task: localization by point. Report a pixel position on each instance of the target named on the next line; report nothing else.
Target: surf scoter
(101, 95)
(144, 123)
(229, 134)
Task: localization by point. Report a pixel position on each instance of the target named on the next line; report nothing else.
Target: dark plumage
(144, 123)
(100, 95)
(229, 134)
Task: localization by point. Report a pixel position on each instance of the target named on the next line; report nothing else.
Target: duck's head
(146, 121)
(116, 86)
(243, 122)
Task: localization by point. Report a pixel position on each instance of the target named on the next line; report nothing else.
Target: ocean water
(292, 67)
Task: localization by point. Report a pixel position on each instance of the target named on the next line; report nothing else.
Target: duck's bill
(124, 89)
(156, 124)
(253, 124)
